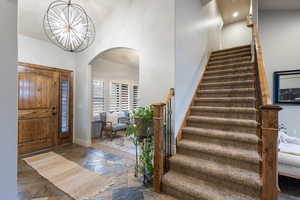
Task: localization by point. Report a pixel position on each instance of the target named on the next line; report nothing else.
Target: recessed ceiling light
(235, 14)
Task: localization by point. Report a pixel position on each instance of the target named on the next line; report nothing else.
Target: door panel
(38, 103)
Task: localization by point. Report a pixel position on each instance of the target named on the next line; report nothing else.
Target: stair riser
(218, 158)
(223, 127)
(231, 115)
(227, 86)
(231, 52)
(225, 104)
(239, 55)
(230, 61)
(225, 79)
(228, 72)
(226, 94)
(220, 141)
(218, 181)
(178, 194)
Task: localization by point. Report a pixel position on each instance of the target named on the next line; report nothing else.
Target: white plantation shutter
(120, 100)
(125, 100)
(115, 97)
(135, 97)
(98, 97)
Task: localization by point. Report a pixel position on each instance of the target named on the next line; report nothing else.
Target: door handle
(54, 113)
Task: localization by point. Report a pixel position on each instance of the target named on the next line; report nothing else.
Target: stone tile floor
(111, 162)
(103, 160)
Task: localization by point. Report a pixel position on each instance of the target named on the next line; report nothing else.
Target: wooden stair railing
(268, 117)
(163, 138)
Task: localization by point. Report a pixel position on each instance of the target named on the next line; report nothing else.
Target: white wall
(236, 34)
(8, 96)
(280, 31)
(110, 71)
(143, 25)
(44, 53)
(198, 31)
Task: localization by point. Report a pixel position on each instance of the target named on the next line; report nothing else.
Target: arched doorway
(114, 95)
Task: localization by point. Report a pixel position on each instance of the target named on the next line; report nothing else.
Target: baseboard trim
(82, 142)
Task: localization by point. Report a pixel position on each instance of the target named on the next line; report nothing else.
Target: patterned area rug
(121, 143)
(78, 182)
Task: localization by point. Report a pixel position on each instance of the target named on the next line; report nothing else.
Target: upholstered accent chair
(110, 125)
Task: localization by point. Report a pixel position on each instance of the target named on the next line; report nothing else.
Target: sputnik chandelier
(68, 26)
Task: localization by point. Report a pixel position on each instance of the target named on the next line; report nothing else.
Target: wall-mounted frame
(287, 87)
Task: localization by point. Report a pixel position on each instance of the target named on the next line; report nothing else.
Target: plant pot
(143, 129)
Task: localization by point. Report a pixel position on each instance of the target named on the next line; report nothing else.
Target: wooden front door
(38, 109)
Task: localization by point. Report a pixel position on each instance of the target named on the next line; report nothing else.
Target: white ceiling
(31, 14)
(279, 4)
(228, 7)
(122, 56)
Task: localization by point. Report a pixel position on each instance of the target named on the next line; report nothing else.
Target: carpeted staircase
(217, 157)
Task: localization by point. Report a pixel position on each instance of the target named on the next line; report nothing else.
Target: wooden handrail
(264, 88)
(169, 96)
(159, 153)
(268, 119)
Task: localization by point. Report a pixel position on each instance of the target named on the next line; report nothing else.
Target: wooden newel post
(158, 148)
(269, 132)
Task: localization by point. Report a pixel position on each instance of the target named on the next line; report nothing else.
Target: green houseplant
(141, 131)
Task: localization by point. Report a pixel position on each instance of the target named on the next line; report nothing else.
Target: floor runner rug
(76, 181)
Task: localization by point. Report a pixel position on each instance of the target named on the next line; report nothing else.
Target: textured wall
(280, 31)
(198, 31)
(146, 26)
(8, 96)
(236, 34)
(40, 52)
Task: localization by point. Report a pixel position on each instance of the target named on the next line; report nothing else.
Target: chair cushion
(112, 117)
(119, 127)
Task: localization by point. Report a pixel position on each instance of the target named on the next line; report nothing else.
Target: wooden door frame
(59, 140)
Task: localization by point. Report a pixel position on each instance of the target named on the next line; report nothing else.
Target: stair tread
(225, 109)
(228, 83)
(232, 52)
(248, 46)
(230, 76)
(221, 150)
(227, 135)
(231, 60)
(228, 70)
(200, 189)
(240, 54)
(226, 90)
(225, 99)
(219, 170)
(229, 65)
(227, 121)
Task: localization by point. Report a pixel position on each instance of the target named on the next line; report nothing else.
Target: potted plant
(143, 118)
(141, 131)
